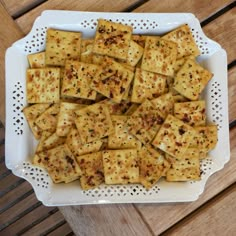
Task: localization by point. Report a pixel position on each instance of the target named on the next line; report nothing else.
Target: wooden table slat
(25, 22)
(106, 220)
(29, 219)
(160, 217)
(201, 9)
(15, 8)
(232, 92)
(216, 218)
(7, 37)
(62, 230)
(45, 225)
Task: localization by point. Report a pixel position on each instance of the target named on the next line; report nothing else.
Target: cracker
(205, 138)
(43, 85)
(62, 45)
(112, 80)
(152, 166)
(192, 113)
(48, 119)
(139, 39)
(116, 108)
(135, 53)
(159, 56)
(183, 37)
(120, 166)
(191, 79)
(37, 60)
(66, 117)
(77, 79)
(92, 170)
(145, 122)
(112, 39)
(86, 51)
(147, 85)
(61, 165)
(185, 168)
(31, 114)
(121, 139)
(77, 147)
(174, 136)
(93, 122)
(52, 141)
(44, 136)
(164, 104)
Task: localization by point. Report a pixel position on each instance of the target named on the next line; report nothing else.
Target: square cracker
(192, 113)
(61, 165)
(31, 113)
(43, 85)
(77, 147)
(205, 138)
(120, 166)
(139, 39)
(121, 138)
(86, 51)
(66, 117)
(185, 41)
(93, 122)
(77, 78)
(191, 79)
(135, 53)
(147, 85)
(37, 60)
(48, 119)
(91, 166)
(185, 168)
(112, 80)
(116, 108)
(159, 56)
(112, 39)
(174, 136)
(164, 104)
(145, 122)
(62, 45)
(152, 166)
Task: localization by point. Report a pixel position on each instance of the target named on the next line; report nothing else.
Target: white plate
(20, 143)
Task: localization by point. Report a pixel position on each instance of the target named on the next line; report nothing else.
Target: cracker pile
(119, 108)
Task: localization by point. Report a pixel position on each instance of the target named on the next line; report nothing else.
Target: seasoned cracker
(159, 56)
(192, 113)
(62, 45)
(86, 51)
(145, 122)
(147, 85)
(135, 53)
(191, 79)
(61, 165)
(205, 137)
(66, 117)
(174, 136)
(93, 122)
(183, 37)
(152, 166)
(77, 79)
(48, 119)
(37, 60)
(31, 114)
(77, 147)
(121, 138)
(112, 39)
(164, 104)
(139, 39)
(43, 85)
(120, 166)
(185, 168)
(92, 170)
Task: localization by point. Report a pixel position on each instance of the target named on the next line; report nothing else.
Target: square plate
(20, 144)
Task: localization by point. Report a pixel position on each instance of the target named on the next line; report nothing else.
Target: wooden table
(214, 213)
